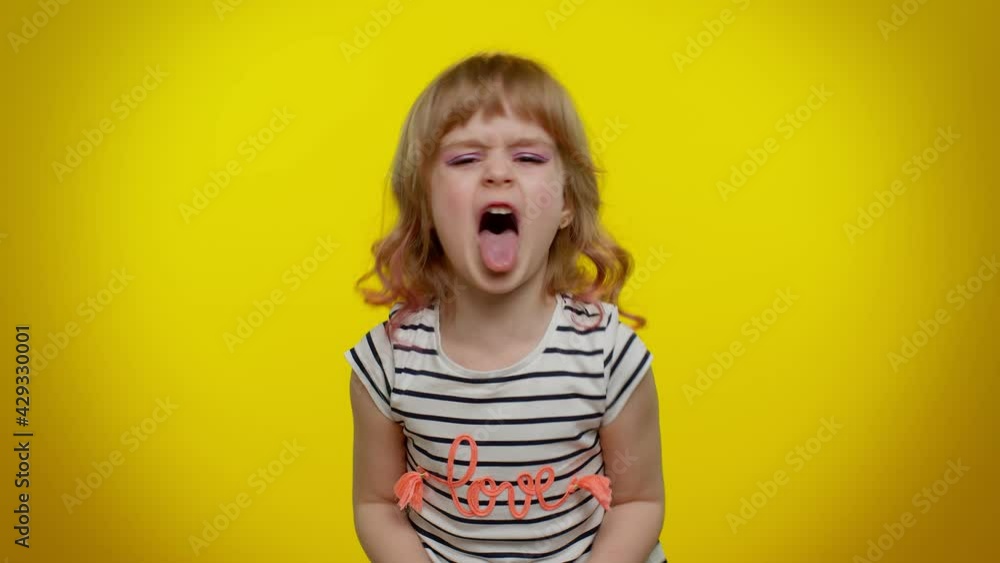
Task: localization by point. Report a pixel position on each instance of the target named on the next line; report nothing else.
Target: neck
(523, 314)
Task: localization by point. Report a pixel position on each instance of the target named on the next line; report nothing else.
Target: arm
(631, 446)
(379, 459)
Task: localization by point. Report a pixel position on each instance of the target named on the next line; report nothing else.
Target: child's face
(496, 190)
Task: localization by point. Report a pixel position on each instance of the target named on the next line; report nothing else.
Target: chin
(486, 281)
(497, 284)
(475, 275)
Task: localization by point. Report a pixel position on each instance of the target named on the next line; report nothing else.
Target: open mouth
(497, 219)
(498, 238)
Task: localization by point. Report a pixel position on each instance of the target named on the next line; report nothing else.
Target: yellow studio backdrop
(190, 190)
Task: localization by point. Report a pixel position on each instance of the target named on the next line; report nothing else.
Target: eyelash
(524, 157)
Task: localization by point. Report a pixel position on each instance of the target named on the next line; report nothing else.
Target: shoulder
(589, 313)
(603, 321)
(409, 324)
(401, 312)
(379, 339)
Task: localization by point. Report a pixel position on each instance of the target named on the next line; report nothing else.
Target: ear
(566, 215)
(565, 218)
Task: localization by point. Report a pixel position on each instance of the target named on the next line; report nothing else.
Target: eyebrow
(519, 142)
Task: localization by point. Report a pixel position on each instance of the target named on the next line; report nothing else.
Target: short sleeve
(626, 362)
(371, 359)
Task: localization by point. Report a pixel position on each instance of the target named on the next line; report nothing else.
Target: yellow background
(679, 132)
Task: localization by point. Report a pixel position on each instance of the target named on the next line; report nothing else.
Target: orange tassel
(410, 490)
(598, 485)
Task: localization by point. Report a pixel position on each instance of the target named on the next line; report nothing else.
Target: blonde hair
(409, 261)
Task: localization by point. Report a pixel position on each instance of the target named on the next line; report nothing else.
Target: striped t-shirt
(544, 410)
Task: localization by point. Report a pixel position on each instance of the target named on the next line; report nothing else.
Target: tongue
(499, 251)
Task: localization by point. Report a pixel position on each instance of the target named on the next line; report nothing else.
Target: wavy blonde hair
(409, 261)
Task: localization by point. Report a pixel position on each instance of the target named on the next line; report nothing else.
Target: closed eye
(463, 159)
(531, 158)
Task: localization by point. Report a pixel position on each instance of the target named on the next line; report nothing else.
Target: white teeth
(499, 210)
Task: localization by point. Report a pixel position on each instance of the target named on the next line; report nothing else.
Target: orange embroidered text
(410, 487)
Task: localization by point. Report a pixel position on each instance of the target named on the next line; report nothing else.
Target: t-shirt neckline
(518, 365)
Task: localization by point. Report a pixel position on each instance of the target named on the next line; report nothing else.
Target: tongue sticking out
(499, 251)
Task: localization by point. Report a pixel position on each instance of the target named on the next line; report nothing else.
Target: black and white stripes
(545, 410)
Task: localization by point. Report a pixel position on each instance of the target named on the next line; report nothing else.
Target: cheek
(449, 204)
(447, 199)
(546, 199)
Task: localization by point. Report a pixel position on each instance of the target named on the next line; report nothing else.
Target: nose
(497, 173)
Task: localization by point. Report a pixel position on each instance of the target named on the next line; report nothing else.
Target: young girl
(503, 411)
